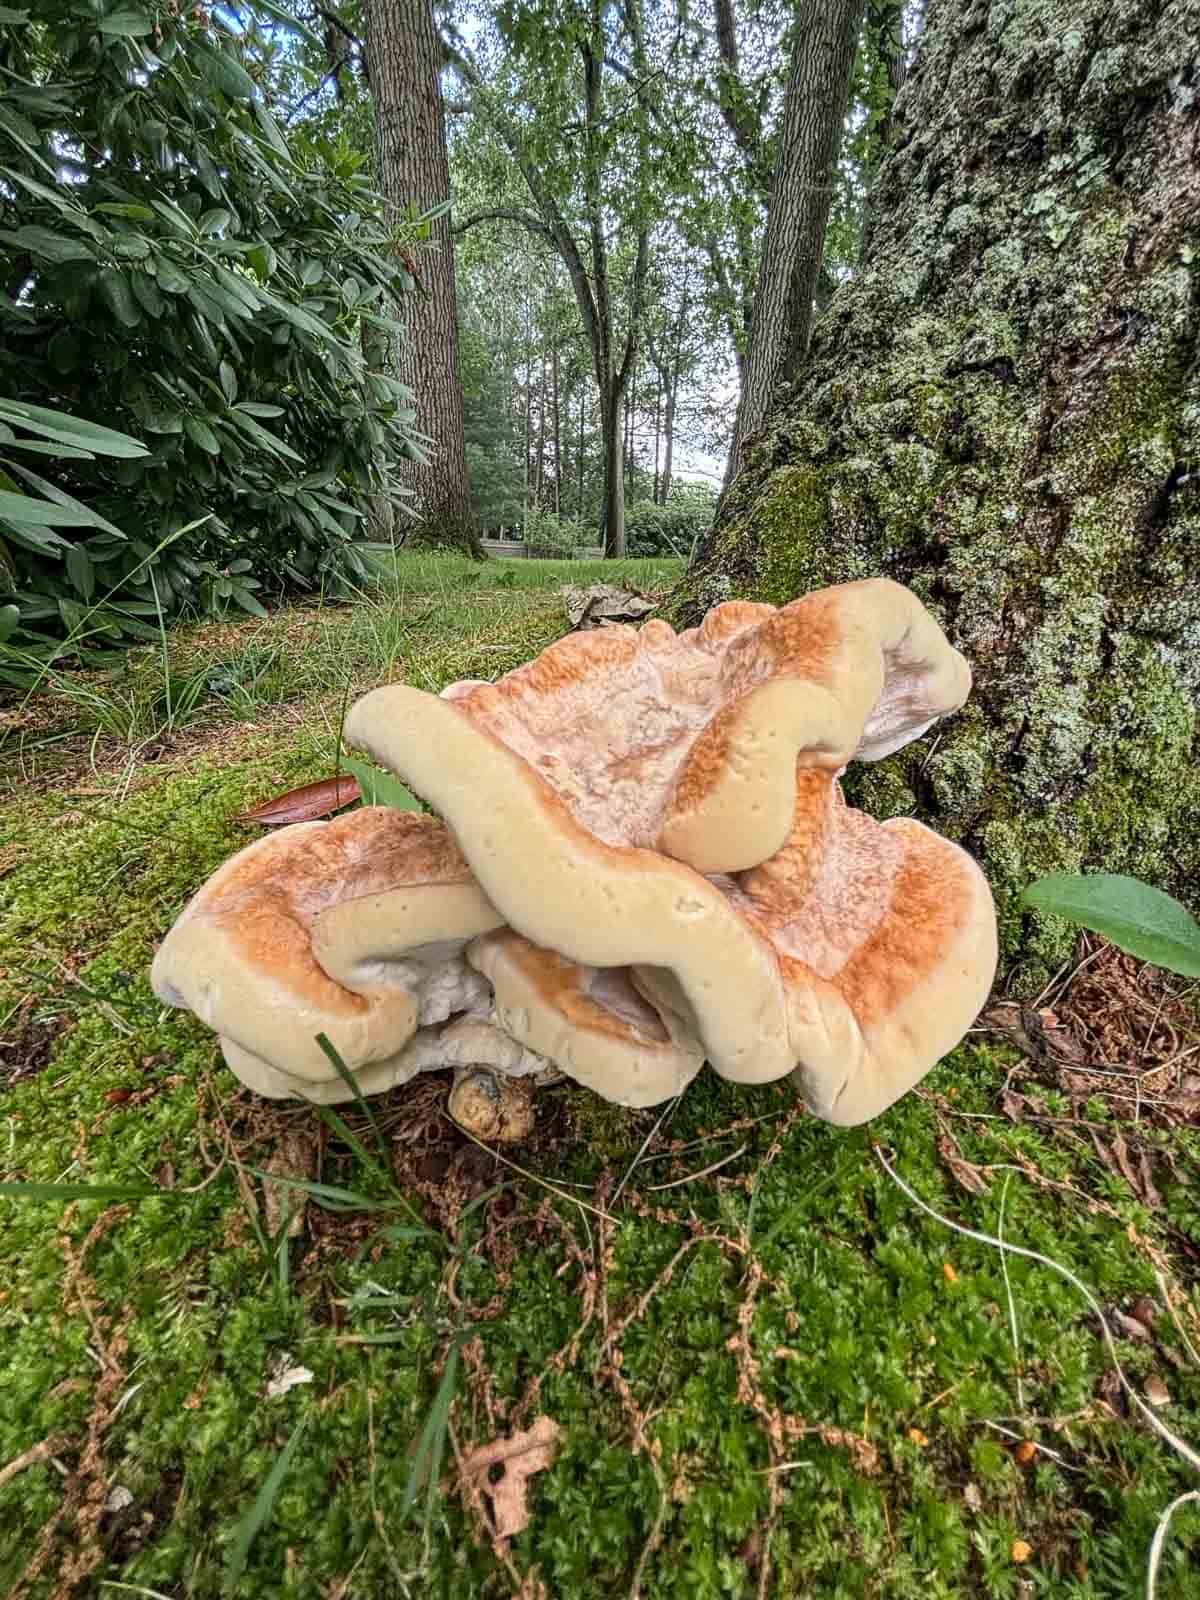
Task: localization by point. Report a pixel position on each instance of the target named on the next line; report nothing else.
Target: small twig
(532, 1176)
(657, 1188)
(1012, 1305)
(1160, 1539)
(666, 1112)
(1179, 1328)
(1022, 1438)
(31, 1457)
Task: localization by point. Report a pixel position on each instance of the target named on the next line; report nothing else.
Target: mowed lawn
(771, 1372)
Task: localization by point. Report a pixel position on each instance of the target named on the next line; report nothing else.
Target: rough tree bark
(1003, 411)
(403, 64)
(814, 110)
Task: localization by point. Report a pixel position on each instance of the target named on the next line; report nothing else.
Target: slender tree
(573, 58)
(1003, 410)
(801, 194)
(403, 59)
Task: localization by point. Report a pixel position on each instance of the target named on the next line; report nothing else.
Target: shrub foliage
(176, 268)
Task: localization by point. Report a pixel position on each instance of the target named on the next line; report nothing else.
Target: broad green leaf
(41, 513)
(1144, 921)
(9, 615)
(199, 432)
(127, 24)
(229, 383)
(258, 408)
(146, 293)
(380, 788)
(114, 286)
(229, 75)
(261, 436)
(81, 571)
(40, 540)
(286, 20)
(61, 498)
(59, 452)
(131, 247)
(119, 208)
(170, 279)
(49, 245)
(216, 219)
(249, 601)
(71, 430)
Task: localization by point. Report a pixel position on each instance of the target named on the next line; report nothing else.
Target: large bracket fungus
(644, 862)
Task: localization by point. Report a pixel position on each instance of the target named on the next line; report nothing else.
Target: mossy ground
(820, 1380)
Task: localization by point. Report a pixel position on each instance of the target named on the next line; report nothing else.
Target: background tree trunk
(404, 65)
(814, 108)
(1003, 411)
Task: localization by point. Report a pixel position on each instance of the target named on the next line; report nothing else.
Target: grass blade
(347, 1135)
(348, 1078)
(264, 1503)
(332, 1197)
(80, 1191)
(427, 1457)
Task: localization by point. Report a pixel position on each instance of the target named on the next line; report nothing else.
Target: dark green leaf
(114, 286)
(199, 432)
(1149, 924)
(49, 245)
(127, 24)
(41, 513)
(80, 571)
(380, 788)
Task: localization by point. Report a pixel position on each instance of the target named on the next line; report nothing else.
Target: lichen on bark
(1002, 410)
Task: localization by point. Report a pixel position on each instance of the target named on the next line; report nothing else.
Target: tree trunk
(582, 401)
(613, 515)
(658, 387)
(814, 109)
(669, 438)
(404, 63)
(540, 476)
(557, 438)
(1002, 411)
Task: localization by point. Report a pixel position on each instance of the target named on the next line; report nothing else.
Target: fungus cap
(353, 928)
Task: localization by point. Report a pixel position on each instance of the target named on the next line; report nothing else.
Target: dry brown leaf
(307, 804)
(1121, 1152)
(520, 1457)
(295, 1155)
(602, 603)
(970, 1176)
(1156, 1391)
(1149, 1192)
